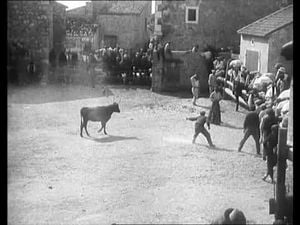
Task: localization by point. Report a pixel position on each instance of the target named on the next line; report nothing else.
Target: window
(191, 14)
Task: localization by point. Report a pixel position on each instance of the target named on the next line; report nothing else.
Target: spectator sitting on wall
(283, 82)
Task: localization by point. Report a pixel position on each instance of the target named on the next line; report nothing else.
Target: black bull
(100, 113)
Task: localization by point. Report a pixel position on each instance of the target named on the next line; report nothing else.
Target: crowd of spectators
(252, 86)
(80, 28)
(130, 66)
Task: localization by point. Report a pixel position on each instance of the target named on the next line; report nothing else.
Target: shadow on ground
(111, 138)
(250, 153)
(180, 94)
(215, 148)
(224, 124)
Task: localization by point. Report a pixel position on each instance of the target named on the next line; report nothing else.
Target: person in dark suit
(270, 144)
(251, 128)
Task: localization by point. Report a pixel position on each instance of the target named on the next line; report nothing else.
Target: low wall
(174, 74)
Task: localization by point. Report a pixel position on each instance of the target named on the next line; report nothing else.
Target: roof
(59, 4)
(270, 23)
(127, 7)
(76, 9)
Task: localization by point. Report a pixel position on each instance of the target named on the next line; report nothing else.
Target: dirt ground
(146, 170)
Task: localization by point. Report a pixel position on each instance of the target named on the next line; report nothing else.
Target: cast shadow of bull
(111, 138)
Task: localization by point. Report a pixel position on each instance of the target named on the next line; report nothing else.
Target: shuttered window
(191, 14)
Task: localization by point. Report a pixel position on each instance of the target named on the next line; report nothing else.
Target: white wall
(255, 44)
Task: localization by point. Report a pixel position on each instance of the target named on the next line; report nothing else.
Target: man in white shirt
(195, 87)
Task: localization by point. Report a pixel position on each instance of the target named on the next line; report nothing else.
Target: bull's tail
(81, 121)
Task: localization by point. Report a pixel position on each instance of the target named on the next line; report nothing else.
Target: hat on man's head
(270, 112)
(282, 69)
(277, 66)
(202, 113)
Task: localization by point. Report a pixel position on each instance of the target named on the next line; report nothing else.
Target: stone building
(118, 22)
(33, 28)
(124, 23)
(261, 41)
(207, 22)
(59, 26)
(82, 12)
(81, 30)
(204, 22)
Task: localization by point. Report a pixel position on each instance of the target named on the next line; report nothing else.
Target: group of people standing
(262, 123)
(118, 61)
(215, 90)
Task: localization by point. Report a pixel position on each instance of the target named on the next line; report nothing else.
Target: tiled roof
(59, 4)
(270, 23)
(127, 7)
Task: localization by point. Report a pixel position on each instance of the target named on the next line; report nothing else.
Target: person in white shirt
(195, 87)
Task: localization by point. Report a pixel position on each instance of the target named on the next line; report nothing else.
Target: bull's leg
(85, 127)
(101, 127)
(104, 126)
(81, 126)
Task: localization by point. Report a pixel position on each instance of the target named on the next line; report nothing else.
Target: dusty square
(145, 170)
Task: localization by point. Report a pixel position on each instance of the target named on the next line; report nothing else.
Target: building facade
(206, 22)
(33, 28)
(261, 41)
(214, 23)
(124, 23)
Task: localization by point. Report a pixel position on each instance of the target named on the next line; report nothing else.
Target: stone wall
(99, 7)
(59, 26)
(129, 29)
(125, 20)
(175, 75)
(276, 41)
(37, 26)
(218, 22)
(30, 25)
(29, 22)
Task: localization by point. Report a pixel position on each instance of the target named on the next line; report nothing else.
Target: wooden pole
(281, 167)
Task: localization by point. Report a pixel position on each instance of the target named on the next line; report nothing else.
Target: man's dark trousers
(200, 129)
(255, 134)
